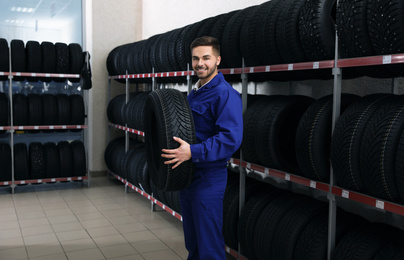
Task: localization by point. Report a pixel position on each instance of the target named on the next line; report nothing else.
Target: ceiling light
(22, 9)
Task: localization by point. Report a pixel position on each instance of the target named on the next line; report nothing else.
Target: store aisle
(71, 221)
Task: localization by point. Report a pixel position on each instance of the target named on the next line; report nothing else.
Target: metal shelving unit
(12, 129)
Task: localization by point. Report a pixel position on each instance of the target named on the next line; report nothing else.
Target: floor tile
(58, 212)
(9, 225)
(37, 230)
(174, 242)
(89, 254)
(11, 242)
(40, 239)
(44, 250)
(95, 223)
(133, 227)
(110, 240)
(33, 222)
(72, 235)
(10, 233)
(77, 245)
(118, 251)
(123, 220)
(149, 245)
(167, 232)
(62, 219)
(162, 254)
(59, 256)
(102, 231)
(76, 225)
(89, 215)
(139, 236)
(13, 253)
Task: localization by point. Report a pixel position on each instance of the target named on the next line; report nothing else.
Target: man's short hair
(207, 41)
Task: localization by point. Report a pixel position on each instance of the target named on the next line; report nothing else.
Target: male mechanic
(217, 112)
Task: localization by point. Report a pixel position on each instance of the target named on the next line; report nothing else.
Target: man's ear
(218, 60)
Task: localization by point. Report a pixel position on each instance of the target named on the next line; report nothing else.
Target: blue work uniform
(217, 112)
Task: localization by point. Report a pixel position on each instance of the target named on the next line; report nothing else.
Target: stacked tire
(49, 160)
(130, 114)
(270, 125)
(45, 57)
(367, 147)
(48, 109)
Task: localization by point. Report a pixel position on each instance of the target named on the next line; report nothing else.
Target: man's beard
(209, 72)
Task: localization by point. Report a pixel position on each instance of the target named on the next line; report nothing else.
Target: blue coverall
(217, 112)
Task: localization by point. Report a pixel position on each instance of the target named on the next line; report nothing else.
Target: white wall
(160, 16)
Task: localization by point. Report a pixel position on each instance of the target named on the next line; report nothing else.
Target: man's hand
(179, 155)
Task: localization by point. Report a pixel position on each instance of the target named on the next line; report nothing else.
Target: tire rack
(330, 189)
(13, 128)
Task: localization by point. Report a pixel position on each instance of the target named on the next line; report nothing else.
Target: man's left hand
(179, 155)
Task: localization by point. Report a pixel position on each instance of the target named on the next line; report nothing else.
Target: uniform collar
(213, 82)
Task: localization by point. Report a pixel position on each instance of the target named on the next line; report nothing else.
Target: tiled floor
(71, 221)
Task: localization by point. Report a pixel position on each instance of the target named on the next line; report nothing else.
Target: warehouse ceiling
(38, 14)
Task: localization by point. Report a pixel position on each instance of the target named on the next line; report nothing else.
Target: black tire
(36, 160)
(264, 232)
(77, 110)
(386, 31)
(399, 167)
(347, 141)
(167, 114)
(111, 149)
(231, 38)
(317, 29)
(352, 29)
(291, 225)
(21, 163)
(49, 110)
(62, 60)
(20, 110)
(276, 133)
(313, 137)
(79, 158)
(51, 160)
(5, 162)
(363, 242)
(34, 109)
(48, 59)
(34, 58)
(18, 58)
(379, 147)
(5, 58)
(4, 111)
(287, 32)
(76, 60)
(65, 158)
(64, 109)
(251, 124)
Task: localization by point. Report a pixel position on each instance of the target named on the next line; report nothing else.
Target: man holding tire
(217, 113)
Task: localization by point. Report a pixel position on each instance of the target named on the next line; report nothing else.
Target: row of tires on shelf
(276, 32)
(279, 224)
(366, 148)
(42, 161)
(131, 113)
(274, 224)
(132, 166)
(43, 109)
(44, 57)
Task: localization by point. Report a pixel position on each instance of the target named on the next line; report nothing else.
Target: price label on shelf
(231, 71)
(266, 171)
(345, 194)
(387, 59)
(249, 165)
(287, 176)
(36, 127)
(267, 68)
(313, 184)
(316, 65)
(379, 204)
(290, 66)
(252, 70)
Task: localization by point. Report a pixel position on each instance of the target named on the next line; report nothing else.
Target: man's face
(204, 63)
